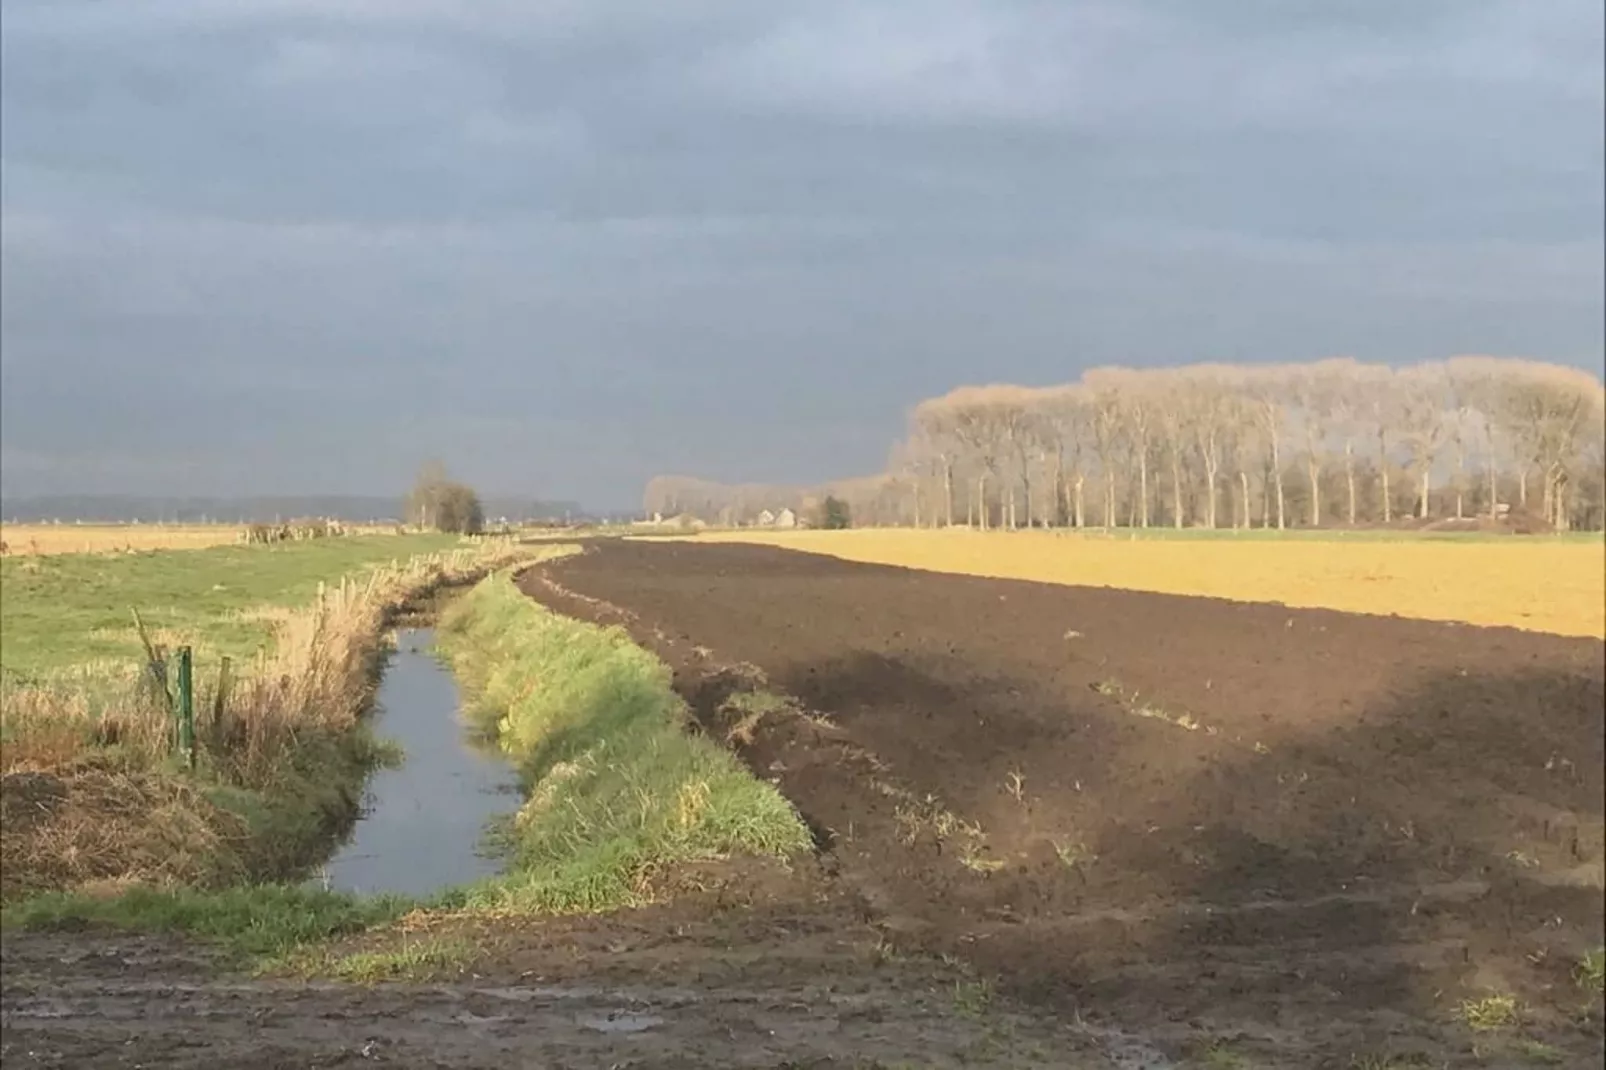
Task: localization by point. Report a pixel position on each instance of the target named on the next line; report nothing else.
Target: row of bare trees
(1330, 443)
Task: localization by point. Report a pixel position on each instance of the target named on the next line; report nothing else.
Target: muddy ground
(1245, 820)
(1057, 826)
(663, 990)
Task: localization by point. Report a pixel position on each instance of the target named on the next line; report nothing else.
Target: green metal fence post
(186, 706)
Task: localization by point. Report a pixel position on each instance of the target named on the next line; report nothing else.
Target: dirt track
(1188, 809)
(657, 992)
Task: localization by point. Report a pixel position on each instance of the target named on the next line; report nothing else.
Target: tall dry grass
(88, 776)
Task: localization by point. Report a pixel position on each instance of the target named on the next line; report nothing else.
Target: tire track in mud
(207, 1024)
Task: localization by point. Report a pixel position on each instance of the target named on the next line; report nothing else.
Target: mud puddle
(422, 823)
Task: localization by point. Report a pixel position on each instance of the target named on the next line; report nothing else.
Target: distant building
(766, 519)
(786, 519)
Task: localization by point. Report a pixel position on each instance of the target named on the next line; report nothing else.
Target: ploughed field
(1155, 807)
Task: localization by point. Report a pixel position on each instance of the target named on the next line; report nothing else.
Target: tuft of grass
(1590, 973)
(973, 856)
(973, 997)
(251, 922)
(1221, 1057)
(414, 960)
(747, 710)
(1074, 853)
(618, 791)
(1411, 1061)
(1540, 1053)
(1490, 1014)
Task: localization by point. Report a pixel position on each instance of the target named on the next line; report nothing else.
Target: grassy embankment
(618, 795)
(91, 793)
(1550, 583)
(618, 790)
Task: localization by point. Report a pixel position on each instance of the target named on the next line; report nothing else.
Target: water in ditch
(422, 822)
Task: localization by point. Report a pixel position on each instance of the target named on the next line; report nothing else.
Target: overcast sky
(302, 245)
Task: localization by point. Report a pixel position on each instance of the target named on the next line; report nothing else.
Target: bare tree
(979, 425)
(1317, 390)
(1266, 390)
(1423, 428)
(1386, 408)
(1171, 398)
(1130, 415)
(1208, 408)
(1107, 441)
(934, 423)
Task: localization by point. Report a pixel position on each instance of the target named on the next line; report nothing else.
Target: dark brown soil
(1189, 810)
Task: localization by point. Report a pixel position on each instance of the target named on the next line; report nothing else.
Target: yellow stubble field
(23, 539)
(1537, 584)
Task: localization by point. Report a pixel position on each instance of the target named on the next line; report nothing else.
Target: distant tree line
(1330, 443)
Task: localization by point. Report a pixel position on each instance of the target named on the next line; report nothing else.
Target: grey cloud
(572, 244)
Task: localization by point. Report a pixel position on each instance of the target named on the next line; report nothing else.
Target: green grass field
(71, 610)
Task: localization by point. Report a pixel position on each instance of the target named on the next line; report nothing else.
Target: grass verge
(265, 922)
(619, 791)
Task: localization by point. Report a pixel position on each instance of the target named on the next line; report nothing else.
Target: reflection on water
(421, 825)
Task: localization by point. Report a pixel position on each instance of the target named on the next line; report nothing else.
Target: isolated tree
(437, 502)
(834, 514)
